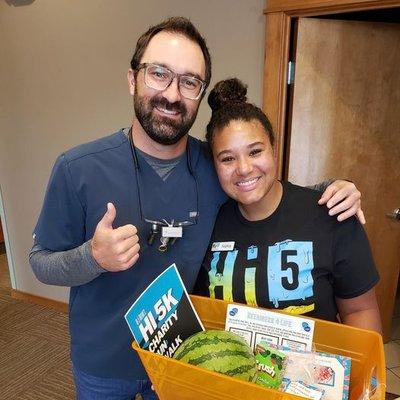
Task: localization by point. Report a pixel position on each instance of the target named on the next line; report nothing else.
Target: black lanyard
(157, 227)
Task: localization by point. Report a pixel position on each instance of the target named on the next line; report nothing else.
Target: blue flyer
(163, 316)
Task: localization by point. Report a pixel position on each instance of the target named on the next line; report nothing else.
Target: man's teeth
(247, 183)
(171, 112)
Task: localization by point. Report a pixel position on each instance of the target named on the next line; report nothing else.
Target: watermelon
(219, 351)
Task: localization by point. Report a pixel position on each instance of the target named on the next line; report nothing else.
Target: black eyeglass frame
(173, 76)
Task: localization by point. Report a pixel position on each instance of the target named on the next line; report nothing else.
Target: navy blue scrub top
(83, 180)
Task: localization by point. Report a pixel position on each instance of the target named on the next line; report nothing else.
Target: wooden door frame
(279, 16)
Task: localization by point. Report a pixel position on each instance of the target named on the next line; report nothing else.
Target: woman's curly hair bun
(228, 91)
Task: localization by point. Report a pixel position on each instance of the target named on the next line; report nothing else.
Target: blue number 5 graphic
(289, 271)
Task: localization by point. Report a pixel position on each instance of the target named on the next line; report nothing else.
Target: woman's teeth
(247, 183)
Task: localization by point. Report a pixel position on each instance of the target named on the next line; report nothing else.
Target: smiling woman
(246, 165)
(287, 253)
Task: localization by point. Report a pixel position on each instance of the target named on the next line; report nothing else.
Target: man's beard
(161, 129)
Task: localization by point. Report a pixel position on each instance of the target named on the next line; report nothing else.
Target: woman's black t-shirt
(298, 259)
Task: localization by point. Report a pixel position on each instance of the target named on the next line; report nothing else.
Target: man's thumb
(109, 216)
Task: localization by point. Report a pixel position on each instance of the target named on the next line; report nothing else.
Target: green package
(270, 365)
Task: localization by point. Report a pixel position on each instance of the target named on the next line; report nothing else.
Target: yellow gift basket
(174, 380)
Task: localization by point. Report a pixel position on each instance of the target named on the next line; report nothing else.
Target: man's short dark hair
(179, 25)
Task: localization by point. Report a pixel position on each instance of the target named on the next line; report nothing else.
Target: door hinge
(290, 74)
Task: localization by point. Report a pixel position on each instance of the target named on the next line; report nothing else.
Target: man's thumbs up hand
(115, 249)
(108, 218)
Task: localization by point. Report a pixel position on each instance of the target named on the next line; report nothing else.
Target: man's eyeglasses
(159, 78)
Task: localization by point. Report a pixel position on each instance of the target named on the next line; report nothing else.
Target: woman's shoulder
(301, 203)
(300, 197)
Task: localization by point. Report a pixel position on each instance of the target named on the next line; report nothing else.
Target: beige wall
(62, 82)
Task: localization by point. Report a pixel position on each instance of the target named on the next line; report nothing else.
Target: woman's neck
(265, 206)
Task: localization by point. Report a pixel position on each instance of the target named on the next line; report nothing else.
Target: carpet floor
(34, 351)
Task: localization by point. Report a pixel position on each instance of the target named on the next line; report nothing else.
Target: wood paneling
(345, 123)
(276, 61)
(280, 15)
(320, 7)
